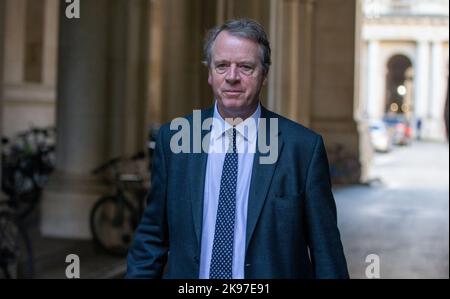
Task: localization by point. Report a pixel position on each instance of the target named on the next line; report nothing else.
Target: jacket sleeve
(323, 235)
(148, 254)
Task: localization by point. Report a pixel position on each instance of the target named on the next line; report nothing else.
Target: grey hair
(245, 28)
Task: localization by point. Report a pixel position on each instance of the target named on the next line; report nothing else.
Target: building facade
(405, 62)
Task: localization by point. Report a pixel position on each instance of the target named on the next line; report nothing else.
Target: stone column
(2, 44)
(14, 41)
(374, 98)
(275, 39)
(180, 69)
(333, 84)
(421, 81)
(289, 100)
(156, 64)
(436, 104)
(284, 78)
(258, 10)
(365, 150)
(306, 17)
(312, 80)
(127, 76)
(184, 84)
(50, 49)
(291, 34)
(81, 122)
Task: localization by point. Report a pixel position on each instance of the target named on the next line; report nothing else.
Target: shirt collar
(248, 128)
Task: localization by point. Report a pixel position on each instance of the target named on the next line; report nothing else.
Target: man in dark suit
(225, 211)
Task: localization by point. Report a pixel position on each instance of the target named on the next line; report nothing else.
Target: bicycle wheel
(16, 257)
(25, 195)
(113, 221)
(26, 203)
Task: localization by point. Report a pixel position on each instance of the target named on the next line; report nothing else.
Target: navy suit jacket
(291, 223)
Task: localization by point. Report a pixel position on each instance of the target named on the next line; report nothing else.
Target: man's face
(236, 75)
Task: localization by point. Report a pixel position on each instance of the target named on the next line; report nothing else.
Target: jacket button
(196, 259)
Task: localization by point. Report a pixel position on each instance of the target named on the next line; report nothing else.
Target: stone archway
(398, 93)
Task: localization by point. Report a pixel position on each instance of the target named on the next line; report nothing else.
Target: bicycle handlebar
(138, 156)
(106, 165)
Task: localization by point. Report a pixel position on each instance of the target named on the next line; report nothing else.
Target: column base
(433, 130)
(66, 205)
(347, 149)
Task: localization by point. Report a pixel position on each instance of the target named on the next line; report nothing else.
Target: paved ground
(50, 258)
(403, 218)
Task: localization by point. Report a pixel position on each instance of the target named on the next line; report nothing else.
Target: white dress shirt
(246, 146)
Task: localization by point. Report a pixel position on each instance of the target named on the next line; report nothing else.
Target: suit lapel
(197, 176)
(260, 182)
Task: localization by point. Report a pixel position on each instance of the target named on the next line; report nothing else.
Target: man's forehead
(234, 58)
(231, 47)
(226, 38)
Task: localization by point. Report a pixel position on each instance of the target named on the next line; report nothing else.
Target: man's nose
(233, 74)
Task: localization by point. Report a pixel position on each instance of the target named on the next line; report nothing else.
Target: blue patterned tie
(222, 252)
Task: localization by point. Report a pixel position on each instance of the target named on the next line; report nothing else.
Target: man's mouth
(232, 92)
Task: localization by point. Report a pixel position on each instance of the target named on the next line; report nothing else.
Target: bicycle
(16, 255)
(114, 218)
(27, 162)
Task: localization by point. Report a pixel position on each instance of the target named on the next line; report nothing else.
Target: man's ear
(265, 79)
(209, 76)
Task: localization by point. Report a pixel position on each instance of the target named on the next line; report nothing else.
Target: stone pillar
(365, 150)
(127, 76)
(421, 81)
(30, 83)
(81, 122)
(375, 102)
(285, 80)
(291, 34)
(184, 85)
(258, 10)
(312, 80)
(156, 64)
(436, 128)
(180, 66)
(14, 41)
(334, 83)
(275, 39)
(2, 44)
(50, 49)
(306, 54)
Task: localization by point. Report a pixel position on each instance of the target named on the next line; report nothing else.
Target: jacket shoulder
(204, 113)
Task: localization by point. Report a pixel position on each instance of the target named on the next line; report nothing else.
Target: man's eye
(246, 69)
(221, 67)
